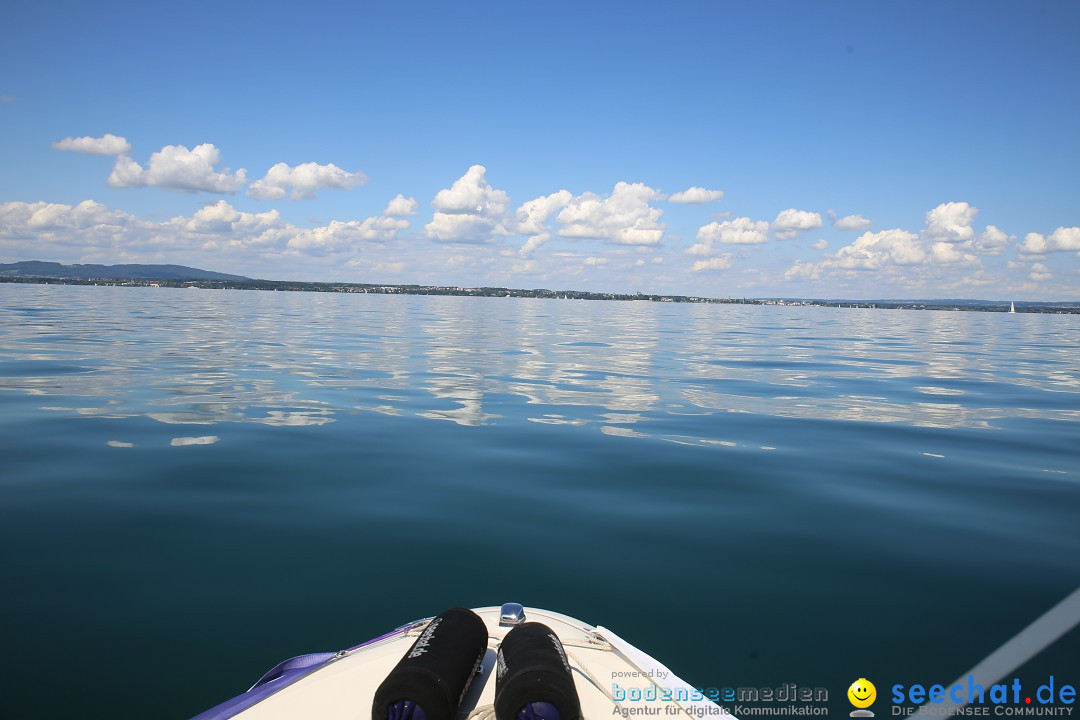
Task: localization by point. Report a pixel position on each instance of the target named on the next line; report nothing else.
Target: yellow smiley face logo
(862, 693)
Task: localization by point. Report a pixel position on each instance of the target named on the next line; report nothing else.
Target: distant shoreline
(1058, 308)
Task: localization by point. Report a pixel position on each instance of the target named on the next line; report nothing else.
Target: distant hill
(37, 268)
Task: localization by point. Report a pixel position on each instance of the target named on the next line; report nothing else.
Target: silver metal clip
(511, 614)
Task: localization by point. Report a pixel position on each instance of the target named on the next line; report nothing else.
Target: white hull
(611, 676)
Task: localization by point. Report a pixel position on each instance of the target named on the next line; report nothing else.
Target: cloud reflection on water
(298, 359)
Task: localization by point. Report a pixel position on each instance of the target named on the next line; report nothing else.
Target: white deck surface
(599, 659)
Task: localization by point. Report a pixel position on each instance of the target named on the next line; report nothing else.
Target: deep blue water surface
(196, 484)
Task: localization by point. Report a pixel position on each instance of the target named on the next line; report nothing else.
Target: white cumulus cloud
(852, 222)
(948, 240)
(471, 193)
(95, 228)
(304, 180)
(1040, 272)
(697, 196)
(339, 235)
(820, 244)
(992, 241)
(739, 231)
(942, 252)
(946, 253)
(951, 222)
(107, 144)
(469, 211)
(532, 216)
(871, 251)
(1064, 239)
(722, 262)
(401, 206)
(803, 270)
(177, 168)
(25, 227)
(533, 243)
(531, 219)
(463, 227)
(625, 217)
(790, 222)
(219, 225)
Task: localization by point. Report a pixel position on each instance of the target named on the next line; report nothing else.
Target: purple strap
(282, 675)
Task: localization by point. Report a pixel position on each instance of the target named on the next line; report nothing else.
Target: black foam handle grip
(532, 668)
(437, 670)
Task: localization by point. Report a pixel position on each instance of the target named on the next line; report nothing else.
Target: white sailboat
(1012, 307)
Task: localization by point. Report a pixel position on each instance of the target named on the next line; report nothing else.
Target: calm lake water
(197, 484)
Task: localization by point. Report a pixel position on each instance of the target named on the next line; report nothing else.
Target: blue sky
(861, 149)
